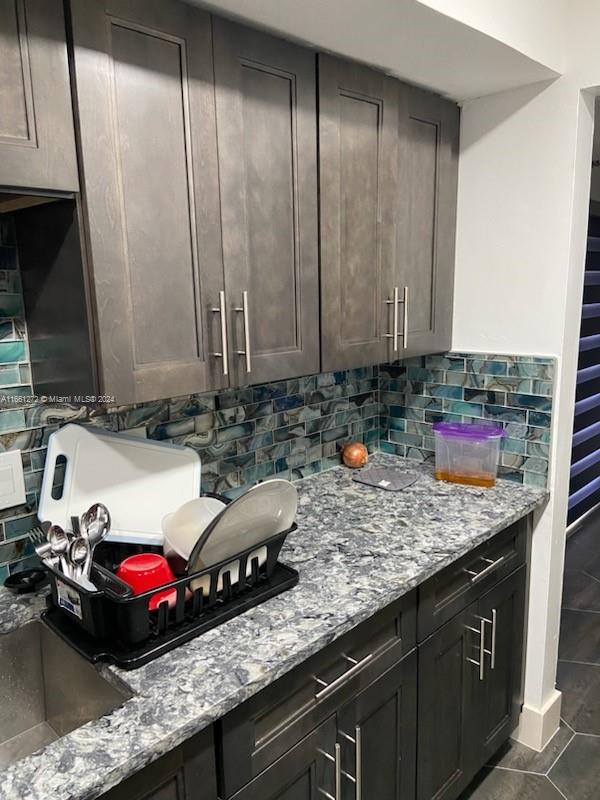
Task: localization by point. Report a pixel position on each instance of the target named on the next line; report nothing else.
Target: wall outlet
(12, 480)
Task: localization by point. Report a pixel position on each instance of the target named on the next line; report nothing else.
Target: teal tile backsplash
(289, 428)
(515, 391)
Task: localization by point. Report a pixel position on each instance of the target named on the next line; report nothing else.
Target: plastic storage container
(467, 452)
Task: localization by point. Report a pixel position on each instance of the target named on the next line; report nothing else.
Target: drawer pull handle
(491, 566)
(328, 688)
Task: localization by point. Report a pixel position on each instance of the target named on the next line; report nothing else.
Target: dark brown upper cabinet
(426, 200)
(145, 97)
(388, 166)
(267, 141)
(358, 109)
(199, 210)
(37, 142)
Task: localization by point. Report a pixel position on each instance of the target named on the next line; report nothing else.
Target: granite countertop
(357, 549)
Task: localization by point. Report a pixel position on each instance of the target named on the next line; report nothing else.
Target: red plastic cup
(146, 571)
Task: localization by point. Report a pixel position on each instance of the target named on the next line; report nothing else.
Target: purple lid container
(469, 430)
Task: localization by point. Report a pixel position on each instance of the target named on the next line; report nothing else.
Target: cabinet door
(37, 142)
(427, 183)
(266, 120)
(504, 608)
(186, 773)
(377, 733)
(358, 111)
(448, 721)
(304, 773)
(145, 98)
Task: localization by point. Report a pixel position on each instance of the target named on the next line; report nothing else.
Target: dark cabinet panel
(377, 736)
(260, 731)
(146, 112)
(470, 683)
(266, 120)
(303, 773)
(186, 773)
(388, 156)
(37, 142)
(503, 608)
(447, 725)
(358, 108)
(427, 170)
(61, 346)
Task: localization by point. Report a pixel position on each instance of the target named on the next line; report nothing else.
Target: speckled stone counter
(357, 549)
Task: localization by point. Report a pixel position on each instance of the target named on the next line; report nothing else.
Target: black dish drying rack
(112, 624)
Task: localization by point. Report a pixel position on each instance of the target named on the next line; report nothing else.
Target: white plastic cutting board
(138, 480)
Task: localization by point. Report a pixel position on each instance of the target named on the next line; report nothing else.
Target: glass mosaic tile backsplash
(291, 428)
(515, 391)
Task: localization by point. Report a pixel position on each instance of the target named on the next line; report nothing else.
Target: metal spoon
(59, 541)
(95, 525)
(79, 552)
(96, 522)
(79, 556)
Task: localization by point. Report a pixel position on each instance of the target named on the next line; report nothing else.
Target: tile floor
(569, 767)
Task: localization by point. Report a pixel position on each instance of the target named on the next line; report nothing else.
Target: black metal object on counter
(26, 581)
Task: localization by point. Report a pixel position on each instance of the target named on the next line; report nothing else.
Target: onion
(355, 455)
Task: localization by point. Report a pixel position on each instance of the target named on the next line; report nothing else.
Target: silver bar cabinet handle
(358, 739)
(481, 662)
(493, 652)
(394, 334)
(357, 742)
(405, 318)
(243, 309)
(491, 566)
(220, 309)
(481, 649)
(338, 771)
(334, 759)
(331, 687)
(337, 760)
(396, 300)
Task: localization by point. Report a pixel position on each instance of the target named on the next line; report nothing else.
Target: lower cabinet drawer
(451, 590)
(257, 733)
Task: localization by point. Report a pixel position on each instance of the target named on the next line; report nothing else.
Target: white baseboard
(538, 725)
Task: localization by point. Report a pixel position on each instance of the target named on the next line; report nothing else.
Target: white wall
(524, 177)
(533, 27)
(516, 161)
(407, 38)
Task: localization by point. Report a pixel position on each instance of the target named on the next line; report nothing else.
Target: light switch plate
(12, 480)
